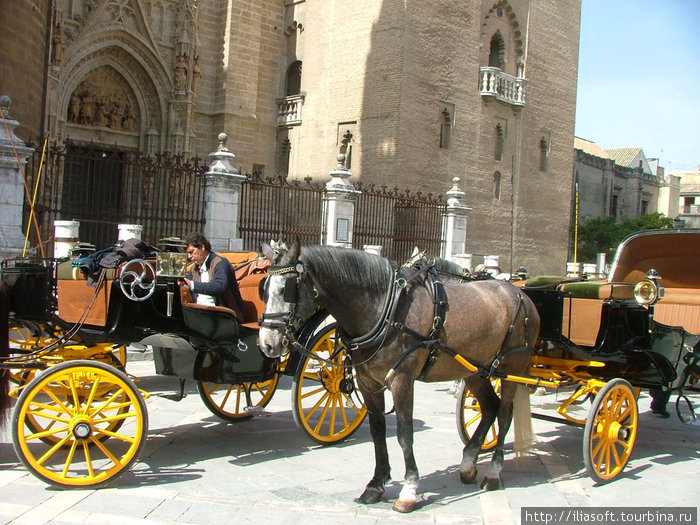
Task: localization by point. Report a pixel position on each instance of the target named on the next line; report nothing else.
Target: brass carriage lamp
(648, 291)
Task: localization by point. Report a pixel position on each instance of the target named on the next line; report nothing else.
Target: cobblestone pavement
(195, 469)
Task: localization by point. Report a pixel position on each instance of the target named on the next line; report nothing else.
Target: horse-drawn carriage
(80, 420)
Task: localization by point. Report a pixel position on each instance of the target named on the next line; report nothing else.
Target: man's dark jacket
(222, 284)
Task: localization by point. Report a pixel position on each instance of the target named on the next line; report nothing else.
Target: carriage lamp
(648, 291)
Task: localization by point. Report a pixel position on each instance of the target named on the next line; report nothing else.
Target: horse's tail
(522, 421)
(4, 350)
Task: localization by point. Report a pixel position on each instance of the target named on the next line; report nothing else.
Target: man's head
(198, 248)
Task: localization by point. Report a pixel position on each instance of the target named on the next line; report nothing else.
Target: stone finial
(340, 177)
(222, 159)
(222, 138)
(454, 194)
(5, 102)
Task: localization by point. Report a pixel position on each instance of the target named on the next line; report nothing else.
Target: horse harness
(375, 338)
(433, 343)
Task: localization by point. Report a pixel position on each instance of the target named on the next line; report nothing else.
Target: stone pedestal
(454, 223)
(339, 207)
(222, 198)
(12, 150)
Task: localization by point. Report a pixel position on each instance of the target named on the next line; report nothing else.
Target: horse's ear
(267, 251)
(292, 254)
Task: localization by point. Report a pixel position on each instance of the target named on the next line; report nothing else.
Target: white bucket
(65, 236)
(491, 261)
(129, 231)
(464, 260)
(373, 248)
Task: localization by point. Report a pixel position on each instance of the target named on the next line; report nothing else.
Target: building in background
(621, 183)
(414, 94)
(689, 198)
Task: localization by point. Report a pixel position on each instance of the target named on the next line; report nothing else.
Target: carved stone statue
(74, 109)
(196, 75)
(181, 73)
(57, 42)
(87, 109)
(129, 122)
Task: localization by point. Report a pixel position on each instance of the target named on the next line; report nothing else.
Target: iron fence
(165, 194)
(276, 207)
(103, 188)
(399, 221)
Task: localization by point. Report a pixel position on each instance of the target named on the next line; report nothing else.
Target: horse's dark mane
(449, 268)
(347, 266)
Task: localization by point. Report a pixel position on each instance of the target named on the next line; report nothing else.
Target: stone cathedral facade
(414, 93)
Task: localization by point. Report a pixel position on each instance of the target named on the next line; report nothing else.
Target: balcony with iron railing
(289, 110)
(493, 83)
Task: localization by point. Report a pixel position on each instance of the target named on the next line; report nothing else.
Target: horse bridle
(284, 322)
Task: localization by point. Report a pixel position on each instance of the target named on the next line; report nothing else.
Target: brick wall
(23, 26)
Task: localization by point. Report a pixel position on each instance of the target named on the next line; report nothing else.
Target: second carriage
(80, 419)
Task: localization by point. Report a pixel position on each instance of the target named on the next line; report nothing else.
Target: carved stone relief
(102, 100)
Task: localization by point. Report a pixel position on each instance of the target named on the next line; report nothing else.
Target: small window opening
(497, 185)
(544, 154)
(445, 129)
(498, 149)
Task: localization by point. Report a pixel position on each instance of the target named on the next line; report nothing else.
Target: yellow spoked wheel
(79, 424)
(326, 405)
(610, 431)
(237, 402)
(469, 415)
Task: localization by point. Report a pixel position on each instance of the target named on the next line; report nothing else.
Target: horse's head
(288, 300)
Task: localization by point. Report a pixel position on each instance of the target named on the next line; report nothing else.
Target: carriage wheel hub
(81, 429)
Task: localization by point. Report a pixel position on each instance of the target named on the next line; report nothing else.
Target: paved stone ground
(195, 469)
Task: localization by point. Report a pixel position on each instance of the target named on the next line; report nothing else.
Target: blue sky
(639, 78)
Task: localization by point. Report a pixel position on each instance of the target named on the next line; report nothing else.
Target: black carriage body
(193, 344)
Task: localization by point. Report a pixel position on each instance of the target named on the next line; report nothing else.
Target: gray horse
(400, 326)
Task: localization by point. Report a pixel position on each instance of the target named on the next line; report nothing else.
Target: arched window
(544, 154)
(498, 147)
(497, 51)
(497, 185)
(294, 78)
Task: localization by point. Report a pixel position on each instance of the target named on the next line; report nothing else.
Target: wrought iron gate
(103, 188)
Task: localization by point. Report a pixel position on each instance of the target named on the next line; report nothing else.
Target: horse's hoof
(371, 495)
(404, 505)
(468, 476)
(491, 484)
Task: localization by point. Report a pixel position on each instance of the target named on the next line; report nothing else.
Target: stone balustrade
(506, 88)
(289, 110)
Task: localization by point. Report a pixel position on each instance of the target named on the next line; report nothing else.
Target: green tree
(603, 234)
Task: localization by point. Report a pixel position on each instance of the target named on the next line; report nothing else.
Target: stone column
(11, 184)
(221, 200)
(454, 225)
(339, 207)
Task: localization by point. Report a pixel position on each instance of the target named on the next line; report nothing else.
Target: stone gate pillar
(221, 200)
(12, 150)
(454, 224)
(339, 207)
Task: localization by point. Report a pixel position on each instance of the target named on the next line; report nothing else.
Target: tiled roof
(590, 147)
(624, 156)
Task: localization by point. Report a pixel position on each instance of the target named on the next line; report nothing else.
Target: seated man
(212, 279)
